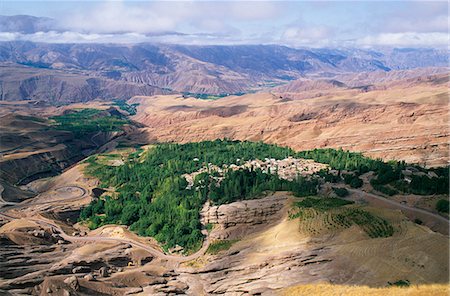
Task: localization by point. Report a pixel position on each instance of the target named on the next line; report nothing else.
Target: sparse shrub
(400, 283)
(341, 192)
(384, 189)
(122, 104)
(209, 227)
(442, 206)
(353, 180)
(219, 246)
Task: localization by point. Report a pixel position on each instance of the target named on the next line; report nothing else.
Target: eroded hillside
(270, 235)
(404, 121)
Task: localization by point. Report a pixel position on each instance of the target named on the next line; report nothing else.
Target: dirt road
(433, 221)
(70, 238)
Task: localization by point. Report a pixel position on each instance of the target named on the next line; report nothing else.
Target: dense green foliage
(386, 172)
(219, 246)
(152, 196)
(442, 206)
(423, 185)
(322, 204)
(341, 192)
(342, 160)
(250, 184)
(329, 177)
(130, 109)
(353, 180)
(85, 121)
(384, 189)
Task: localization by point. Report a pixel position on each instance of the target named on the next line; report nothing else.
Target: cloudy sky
(294, 23)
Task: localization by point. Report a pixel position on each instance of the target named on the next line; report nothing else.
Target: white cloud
(150, 17)
(117, 18)
(405, 39)
(124, 38)
(307, 36)
(73, 37)
(248, 22)
(295, 37)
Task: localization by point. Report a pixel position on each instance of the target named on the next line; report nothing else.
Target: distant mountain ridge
(147, 69)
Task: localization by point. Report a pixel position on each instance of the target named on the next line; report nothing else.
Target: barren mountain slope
(57, 86)
(82, 72)
(406, 121)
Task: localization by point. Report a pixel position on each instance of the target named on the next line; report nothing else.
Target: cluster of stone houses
(289, 168)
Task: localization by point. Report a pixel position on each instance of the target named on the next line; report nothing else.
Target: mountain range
(80, 72)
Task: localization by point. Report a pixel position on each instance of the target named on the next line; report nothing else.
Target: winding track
(154, 251)
(70, 238)
(399, 205)
(433, 221)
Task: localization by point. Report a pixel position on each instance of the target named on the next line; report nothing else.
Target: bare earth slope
(405, 121)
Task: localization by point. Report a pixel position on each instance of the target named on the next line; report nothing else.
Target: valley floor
(270, 252)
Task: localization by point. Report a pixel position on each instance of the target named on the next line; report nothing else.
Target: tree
(442, 206)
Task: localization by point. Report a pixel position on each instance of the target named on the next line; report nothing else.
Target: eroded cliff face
(404, 122)
(243, 217)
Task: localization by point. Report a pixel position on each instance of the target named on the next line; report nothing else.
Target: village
(288, 169)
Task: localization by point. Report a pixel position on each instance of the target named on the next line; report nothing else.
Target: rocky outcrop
(240, 218)
(235, 274)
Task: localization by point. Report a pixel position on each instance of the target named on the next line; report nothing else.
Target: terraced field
(319, 216)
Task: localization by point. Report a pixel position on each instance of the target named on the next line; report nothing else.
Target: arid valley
(152, 168)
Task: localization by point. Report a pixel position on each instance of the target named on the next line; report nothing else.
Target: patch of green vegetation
(322, 204)
(384, 189)
(329, 177)
(130, 109)
(111, 155)
(136, 154)
(247, 184)
(424, 185)
(152, 195)
(373, 225)
(341, 192)
(353, 180)
(386, 172)
(211, 97)
(337, 215)
(442, 206)
(418, 221)
(342, 160)
(218, 246)
(209, 227)
(86, 121)
(31, 118)
(400, 283)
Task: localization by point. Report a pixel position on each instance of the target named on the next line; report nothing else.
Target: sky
(294, 23)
